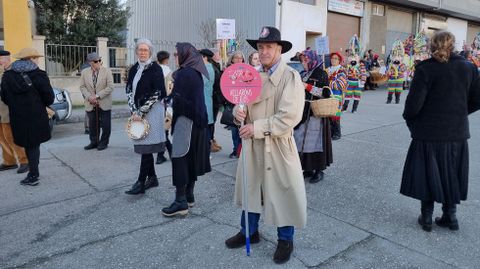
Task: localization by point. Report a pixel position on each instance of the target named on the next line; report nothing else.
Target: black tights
(33, 156)
(147, 167)
(184, 191)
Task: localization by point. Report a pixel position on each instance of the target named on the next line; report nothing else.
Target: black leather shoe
(151, 182)
(318, 176)
(238, 240)
(22, 169)
(161, 159)
(426, 222)
(30, 180)
(90, 146)
(176, 208)
(447, 221)
(4, 167)
(102, 147)
(137, 188)
(283, 252)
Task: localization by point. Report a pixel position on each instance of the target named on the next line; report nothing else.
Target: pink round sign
(241, 84)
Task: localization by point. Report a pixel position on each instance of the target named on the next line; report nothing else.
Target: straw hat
(27, 53)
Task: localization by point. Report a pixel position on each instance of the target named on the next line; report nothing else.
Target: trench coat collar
(276, 76)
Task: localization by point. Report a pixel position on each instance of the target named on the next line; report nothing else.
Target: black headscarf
(188, 56)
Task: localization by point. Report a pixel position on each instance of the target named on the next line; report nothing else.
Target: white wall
(296, 19)
(459, 29)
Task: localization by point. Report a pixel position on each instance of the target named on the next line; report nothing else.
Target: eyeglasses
(97, 61)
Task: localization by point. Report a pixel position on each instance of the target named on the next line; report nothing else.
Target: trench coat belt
(268, 140)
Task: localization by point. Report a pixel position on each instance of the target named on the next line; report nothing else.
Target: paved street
(79, 216)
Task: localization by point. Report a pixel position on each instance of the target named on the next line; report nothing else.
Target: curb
(79, 116)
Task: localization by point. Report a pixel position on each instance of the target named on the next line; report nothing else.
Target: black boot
(318, 176)
(425, 219)
(336, 130)
(189, 194)
(355, 105)
(238, 240)
(307, 174)
(449, 218)
(151, 182)
(345, 105)
(179, 206)
(389, 98)
(137, 188)
(161, 158)
(397, 98)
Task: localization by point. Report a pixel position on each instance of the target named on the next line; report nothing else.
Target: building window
(307, 2)
(378, 10)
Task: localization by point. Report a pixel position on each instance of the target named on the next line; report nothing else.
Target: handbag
(227, 116)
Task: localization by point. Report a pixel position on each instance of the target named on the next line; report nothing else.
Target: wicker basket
(326, 107)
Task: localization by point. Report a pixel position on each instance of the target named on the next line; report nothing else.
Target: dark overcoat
(28, 115)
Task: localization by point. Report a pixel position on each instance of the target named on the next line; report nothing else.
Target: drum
(137, 130)
(378, 78)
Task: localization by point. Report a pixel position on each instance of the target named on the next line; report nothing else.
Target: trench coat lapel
(274, 79)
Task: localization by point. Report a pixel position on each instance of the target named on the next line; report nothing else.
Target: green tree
(81, 21)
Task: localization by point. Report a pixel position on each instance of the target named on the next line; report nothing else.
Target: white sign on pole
(322, 45)
(225, 29)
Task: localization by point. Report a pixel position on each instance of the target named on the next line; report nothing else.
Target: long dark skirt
(319, 160)
(196, 162)
(436, 171)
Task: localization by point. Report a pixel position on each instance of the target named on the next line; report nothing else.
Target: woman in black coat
(312, 134)
(190, 149)
(27, 91)
(145, 90)
(445, 89)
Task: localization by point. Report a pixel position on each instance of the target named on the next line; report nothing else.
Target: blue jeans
(235, 138)
(283, 233)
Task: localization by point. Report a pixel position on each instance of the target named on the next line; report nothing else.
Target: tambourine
(137, 130)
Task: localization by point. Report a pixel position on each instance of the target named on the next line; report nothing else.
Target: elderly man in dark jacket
(27, 91)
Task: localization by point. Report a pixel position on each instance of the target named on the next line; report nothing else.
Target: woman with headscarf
(190, 152)
(145, 89)
(312, 134)
(445, 90)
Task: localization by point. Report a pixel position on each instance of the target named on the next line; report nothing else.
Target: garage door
(340, 28)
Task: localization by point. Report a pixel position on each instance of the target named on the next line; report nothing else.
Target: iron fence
(117, 57)
(66, 60)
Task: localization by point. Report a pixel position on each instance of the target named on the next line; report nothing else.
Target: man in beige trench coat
(275, 181)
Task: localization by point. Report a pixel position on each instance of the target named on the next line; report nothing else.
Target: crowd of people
(282, 140)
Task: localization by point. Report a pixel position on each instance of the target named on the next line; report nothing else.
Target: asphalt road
(79, 217)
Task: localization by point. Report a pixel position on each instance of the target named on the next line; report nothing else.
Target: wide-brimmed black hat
(270, 34)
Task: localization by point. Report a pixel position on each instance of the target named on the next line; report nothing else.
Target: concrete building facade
(300, 21)
(378, 23)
